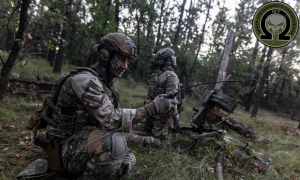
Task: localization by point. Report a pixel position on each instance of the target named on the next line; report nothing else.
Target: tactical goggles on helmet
(132, 50)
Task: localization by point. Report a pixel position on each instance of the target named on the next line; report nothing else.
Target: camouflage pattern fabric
(83, 107)
(163, 82)
(86, 92)
(142, 138)
(91, 160)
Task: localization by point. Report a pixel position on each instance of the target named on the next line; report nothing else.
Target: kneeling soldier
(163, 80)
(87, 125)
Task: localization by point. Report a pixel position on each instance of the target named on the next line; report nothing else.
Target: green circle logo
(275, 24)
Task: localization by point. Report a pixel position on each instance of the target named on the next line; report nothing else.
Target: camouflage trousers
(88, 153)
(150, 134)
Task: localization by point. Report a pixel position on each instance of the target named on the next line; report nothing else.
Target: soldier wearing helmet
(163, 80)
(87, 123)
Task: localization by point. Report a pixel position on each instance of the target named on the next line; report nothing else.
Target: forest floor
(277, 141)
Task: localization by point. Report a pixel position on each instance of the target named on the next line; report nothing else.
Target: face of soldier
(124, 60)
(118, 65)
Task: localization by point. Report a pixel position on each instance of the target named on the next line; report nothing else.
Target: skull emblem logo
(275, 24)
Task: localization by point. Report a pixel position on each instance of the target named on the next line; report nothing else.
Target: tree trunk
(150, 22)
(157, 45)
(225, 57)
(201, 40)
(138, 41)
(212, 113)
(51, 56)
(117, 12)
(274, 93)
(295, 102)
(249, 98)
(64, 37)
(279, 101)
(179, 26)
(7, 66)
(259, 93)
(250, 69)
(138, 47)
(10, 37)
(60, 54)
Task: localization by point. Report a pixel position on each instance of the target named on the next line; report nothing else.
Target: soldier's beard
(115, 67)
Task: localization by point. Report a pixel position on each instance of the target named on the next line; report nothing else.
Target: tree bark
(295, 102)
(225, 57)
(138, 47)
(179, 26)
(250, 69)
(64, 37)
(51, 56)
(249, 98)
(9, 42)
(201, 40)
(274, 93)
(117, 12)
(279, 101)
(157, 45)
(150, 22)
(259, 93)
(7, 66)
(212, 113)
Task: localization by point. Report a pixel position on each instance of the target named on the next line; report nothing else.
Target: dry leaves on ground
(23, 64)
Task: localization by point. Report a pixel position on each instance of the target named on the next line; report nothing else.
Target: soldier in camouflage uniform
(163, 80)
(88, 124)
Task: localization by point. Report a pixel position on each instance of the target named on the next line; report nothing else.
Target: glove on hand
(128, 161)
(160, 105)
(176, 126)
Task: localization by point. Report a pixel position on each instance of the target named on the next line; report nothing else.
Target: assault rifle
(207, 113)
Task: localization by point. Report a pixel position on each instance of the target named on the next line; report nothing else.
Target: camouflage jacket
(83, 101)
(163, 81)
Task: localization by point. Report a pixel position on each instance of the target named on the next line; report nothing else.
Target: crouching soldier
(163, 80)
(83, 125)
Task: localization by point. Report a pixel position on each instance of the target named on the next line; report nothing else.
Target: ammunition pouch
(52, 149)
(155, 91)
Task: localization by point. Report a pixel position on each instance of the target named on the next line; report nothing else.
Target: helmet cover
(119, 42)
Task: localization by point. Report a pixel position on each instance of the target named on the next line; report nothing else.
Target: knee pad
(118, 146)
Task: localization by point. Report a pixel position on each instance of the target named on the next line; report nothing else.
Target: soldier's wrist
(151, 109)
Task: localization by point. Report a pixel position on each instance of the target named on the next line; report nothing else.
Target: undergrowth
(200, 163)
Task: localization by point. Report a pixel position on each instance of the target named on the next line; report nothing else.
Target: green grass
(199, 163)
(37, 66)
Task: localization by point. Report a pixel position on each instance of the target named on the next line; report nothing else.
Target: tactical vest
(65, 118)
(155, 89)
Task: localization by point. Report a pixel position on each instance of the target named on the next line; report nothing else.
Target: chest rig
(154, 89)
(62, 109)
(158, 84)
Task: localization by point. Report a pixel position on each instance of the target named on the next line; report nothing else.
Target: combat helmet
(115, 42)
(165, 57)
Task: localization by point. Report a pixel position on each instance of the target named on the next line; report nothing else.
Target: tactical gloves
(126, 165)
(128, 161)
(160, 105)
(176, 126)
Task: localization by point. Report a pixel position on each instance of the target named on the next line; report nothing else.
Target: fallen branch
(28, 86)
(219, 168)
